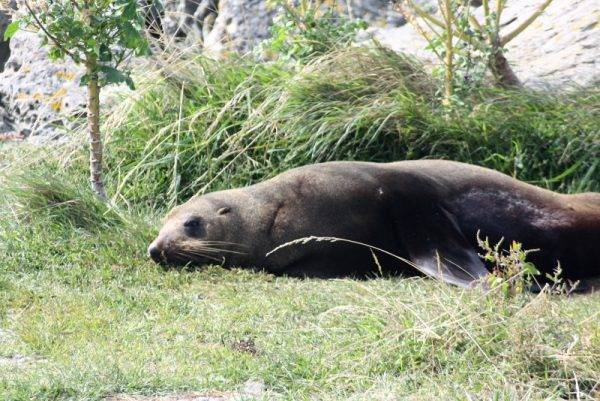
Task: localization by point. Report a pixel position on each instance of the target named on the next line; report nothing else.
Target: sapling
(100, 35)
(457, 26)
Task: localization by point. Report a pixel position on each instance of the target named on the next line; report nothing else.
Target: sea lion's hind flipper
(436, 244)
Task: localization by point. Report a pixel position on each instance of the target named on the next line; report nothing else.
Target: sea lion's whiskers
(224, 243)
(214, 250)
(202, 246)
(186, 255)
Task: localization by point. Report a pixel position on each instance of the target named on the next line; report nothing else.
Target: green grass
(203, 125)
(84, 314)
(98, 318)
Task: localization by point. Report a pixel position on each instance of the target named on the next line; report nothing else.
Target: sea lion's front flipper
(436, 244)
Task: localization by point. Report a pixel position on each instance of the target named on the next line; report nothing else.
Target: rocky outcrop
(560, 49)
(38, 96)
(241, 24)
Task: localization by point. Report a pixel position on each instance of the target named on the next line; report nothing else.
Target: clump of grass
(49, 218)
(42, 193)
(200, 125)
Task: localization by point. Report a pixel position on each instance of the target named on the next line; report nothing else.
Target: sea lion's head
(198, 232)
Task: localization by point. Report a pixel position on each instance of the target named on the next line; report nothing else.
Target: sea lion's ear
(436, 244)
(224, 210)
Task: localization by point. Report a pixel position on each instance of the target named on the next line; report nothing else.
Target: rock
(561, 48)
(239, 25)
(191, 19)
(254, 388)
(5, 19)
(39, 96)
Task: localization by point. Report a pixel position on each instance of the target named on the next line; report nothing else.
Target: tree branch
(425, 15)
(499, 9)
(475, 24)
(486, 9)
(41, 26)
(525, 23)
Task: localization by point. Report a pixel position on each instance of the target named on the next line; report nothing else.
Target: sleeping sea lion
(427, 213)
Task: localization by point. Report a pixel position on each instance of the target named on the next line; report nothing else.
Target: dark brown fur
(427, 212)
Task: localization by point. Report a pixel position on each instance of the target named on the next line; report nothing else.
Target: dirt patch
(17, 361)
(252, 390)
(246, 345)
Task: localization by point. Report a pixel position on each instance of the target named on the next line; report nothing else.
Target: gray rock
(239, 25)
(5, 19)
(191, 19)
(39, 96)
(561, 48)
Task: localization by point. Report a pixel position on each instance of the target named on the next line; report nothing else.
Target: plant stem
(93, 117)
(448, 62)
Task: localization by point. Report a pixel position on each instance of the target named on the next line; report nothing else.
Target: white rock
(39, 95)
(561, 48)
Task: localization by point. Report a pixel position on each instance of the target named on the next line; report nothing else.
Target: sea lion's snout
(155, 253)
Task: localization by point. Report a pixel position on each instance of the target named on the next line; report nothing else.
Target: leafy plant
(511, 273)
(308, 29)
(467, 46)
(100, 34)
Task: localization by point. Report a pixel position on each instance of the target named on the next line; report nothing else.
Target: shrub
(308, 29)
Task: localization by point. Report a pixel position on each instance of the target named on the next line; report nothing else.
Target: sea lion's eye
(194, 227)
(192, 223)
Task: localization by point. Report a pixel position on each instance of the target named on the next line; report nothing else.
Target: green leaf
(105, 53)
(55, 53)
(11, 29)
(530, 269)
(113, 76)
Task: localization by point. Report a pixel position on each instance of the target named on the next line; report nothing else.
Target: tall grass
(205, 125)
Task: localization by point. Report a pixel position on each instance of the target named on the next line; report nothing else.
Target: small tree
(458, 31)
(307, 29)
(100, 34)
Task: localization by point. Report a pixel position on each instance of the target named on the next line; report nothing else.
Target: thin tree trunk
(94, 130)
(449, 48)
(503, 73)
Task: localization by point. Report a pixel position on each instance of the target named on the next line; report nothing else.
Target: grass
(84, 314)
(204, 125)
(108, 322)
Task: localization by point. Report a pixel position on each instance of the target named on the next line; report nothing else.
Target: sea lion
(426, 212)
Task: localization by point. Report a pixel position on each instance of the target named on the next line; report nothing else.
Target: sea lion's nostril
(154, 253)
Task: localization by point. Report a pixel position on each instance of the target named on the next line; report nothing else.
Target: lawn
(99, 319)
(85, 315)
